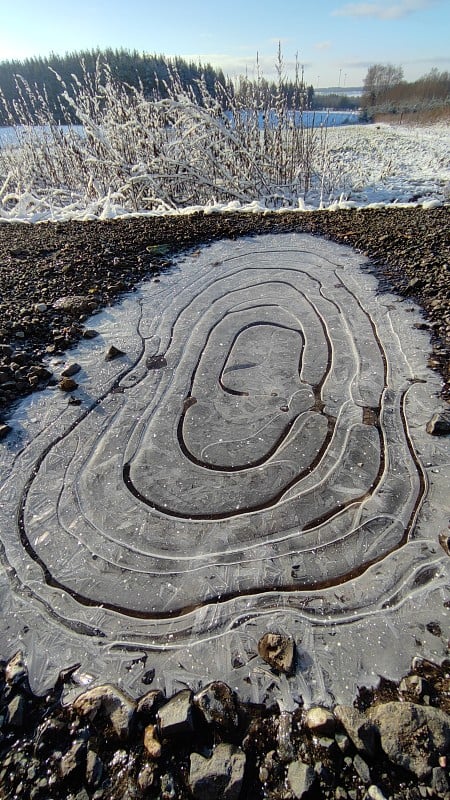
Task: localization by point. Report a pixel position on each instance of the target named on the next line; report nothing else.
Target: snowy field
(387, 164)
(350, 166)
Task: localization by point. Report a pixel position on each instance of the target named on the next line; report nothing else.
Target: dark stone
(278, 651)
(219, 777)
(412, 736)
(156, 362)
(67, 385)
(439, 424)
(440, 781)
(149, 704)
(94, 768)
(70, 370)
(217, 703)
(74, 760)
(16, 711)
(175, 718)
(113, 352)
(16, 670)
(110, 703)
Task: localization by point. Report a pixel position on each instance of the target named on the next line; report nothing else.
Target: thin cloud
(431, 60)
(382, 10)
(322, 45)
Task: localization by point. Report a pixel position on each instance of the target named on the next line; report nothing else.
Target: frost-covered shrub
(168, 151)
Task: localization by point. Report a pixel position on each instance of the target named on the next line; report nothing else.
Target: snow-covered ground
(354, 166)
(390, 164)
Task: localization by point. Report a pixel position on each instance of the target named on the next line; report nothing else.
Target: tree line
(385, 90)
(22, 83)
(46, 78)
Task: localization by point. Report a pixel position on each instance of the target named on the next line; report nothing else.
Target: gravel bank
(127, 750)
(393, 743)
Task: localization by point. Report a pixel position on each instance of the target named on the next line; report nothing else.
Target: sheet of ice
(257, 461)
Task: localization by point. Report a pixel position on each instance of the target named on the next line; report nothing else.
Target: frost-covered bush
(144, 153)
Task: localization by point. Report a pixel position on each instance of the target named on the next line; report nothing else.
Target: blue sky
(335, 40)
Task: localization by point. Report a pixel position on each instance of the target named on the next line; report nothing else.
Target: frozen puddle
(257, 462)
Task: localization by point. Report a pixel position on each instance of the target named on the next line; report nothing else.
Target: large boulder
(219, 777)
(109, 703)
(412, 736)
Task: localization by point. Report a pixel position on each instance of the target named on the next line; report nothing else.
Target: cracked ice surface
(258, 461)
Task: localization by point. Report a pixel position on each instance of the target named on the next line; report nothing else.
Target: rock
(113, 352)
(148, 676)
(219, 777)
(343, 742)
(320, 721)
(146, 777)
(70, 370)
(375, 793)
(89, 333)
(16, 711)
(67, 385)
(285, 749)
(360, 730)
(413, 685)
(149, 704)
(40, 308)
(300, 778)
(412, 736)
(73, 760)
(156, 362)
(217, 703)
(94, 768)
(325, 743)
(151, 742)
(109, 702)
(439, 424)
(444, 541)
(74, 304)
(440, 782)
(4, 430)
(49, 735)
(16, 670)
(278, 651)
(168, 787)
(361, 768)
(176, 717)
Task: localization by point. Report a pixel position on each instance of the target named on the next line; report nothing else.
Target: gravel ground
(48, 751)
